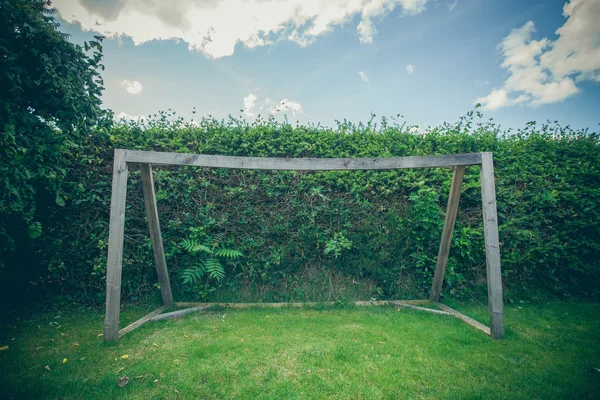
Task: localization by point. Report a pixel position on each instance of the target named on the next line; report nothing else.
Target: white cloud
(132, 87)
(215, 27)
(410, 69)
(253, 105)
(249, 104)
(366, 30)
(546, 71)
(452, 6)
(286, 105)
(499, 98)
(363, 76)
(124, 116)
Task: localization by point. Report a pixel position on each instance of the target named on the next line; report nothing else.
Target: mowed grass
(551, 351)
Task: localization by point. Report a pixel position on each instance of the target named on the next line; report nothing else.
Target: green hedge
(329, 235)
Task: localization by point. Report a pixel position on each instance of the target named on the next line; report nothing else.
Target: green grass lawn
(551, 351)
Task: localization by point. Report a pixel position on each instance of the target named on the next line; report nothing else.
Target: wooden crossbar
(300, 164)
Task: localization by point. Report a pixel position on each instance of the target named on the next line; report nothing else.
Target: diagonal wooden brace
(444, 251)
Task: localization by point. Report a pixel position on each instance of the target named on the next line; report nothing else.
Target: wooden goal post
(146, 158)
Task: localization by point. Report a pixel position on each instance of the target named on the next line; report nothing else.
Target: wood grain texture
(155, 235)
(115, 247)
(464, 318)
(141, 321)
(445, 243)
(301, 164)
(492, 246)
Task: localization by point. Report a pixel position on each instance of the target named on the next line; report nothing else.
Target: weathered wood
(464, 318)
(155, 235)
(460, 161)
(413, 307)
(115, 247)
(141, 321)
(179, 313)
(445, 243)
(492, 246)
(303, 164)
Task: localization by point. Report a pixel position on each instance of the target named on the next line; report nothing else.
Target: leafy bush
(334, 234)
(50, 101)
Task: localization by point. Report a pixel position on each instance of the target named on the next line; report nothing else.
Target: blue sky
(319, 61)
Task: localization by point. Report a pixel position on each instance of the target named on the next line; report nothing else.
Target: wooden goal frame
(459, 162)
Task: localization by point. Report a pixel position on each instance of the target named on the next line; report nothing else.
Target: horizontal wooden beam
(300, 164)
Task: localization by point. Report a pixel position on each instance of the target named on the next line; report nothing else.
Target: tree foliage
(49, 102)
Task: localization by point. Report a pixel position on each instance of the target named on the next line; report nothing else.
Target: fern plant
(207, 256)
